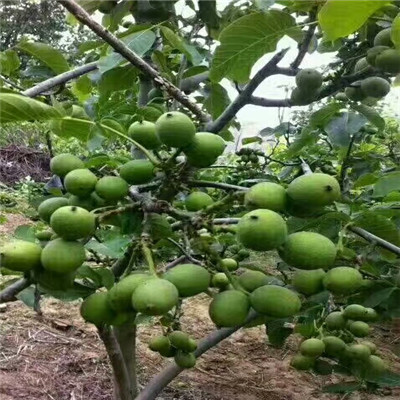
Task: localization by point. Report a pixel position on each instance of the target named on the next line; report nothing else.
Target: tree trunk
(126, 337)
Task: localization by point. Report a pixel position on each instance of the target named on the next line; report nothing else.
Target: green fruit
(302, 211)
(95, 309)
(120, 295)
(123, 318)
(192, 345)
(63, 163)
(62, 257)
(302, 98)
(220, 280)
(185, 360)
(175, 129)
(261, 230)
(180, 340)
(275, 301)
(334, 346)
(308, 250)
(229, 308)
(375, 367)
(155, 297)
(371, 315)
(342, 280)
(204, 149)
(383, 38)
(80, 182)
(372, 346)
(19, 255)
(314, 190)
(137, 172)
(144, 132)
(375, 86)
(111, 188)
(302, 363)
(106, 6)
(358, 352)
(308, 79)
(389, 61)
(83, 202)
(355, 311)
(44, 235)
(354, 92)
(251, 280)
(363, 65)
(308, 282)
(197, 201)
(341, 96)
(189, 279)
(373, 53)
(71, 223)
(228, 263)
(392, 196)
(359, 328)
(159, 343)
(54, 281)
(312, 347)
(267, 195)
(47, 207)
(335, 320)
(168, 352)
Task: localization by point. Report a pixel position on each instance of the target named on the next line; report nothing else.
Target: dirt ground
(59, 357)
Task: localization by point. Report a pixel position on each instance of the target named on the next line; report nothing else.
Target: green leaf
(116, 79)
(341, 18)
(174, 40)
(77, 291)
(321, 117)
(89, 5)
(208, 13)
(379, 297)
(395, 32)
(27, 296)
(14, 107)
(9, 62)
(252, 139)
(227, 135)
(106, 276)
(389, 182)
(217, 99)
(371, 114)
(82, 88)
(365, 180)
(247, 39)
(25, 232)
(49, 56)
(388, 379)
(139, 42)
(277, 332)
(345, 387)
(102, 249)
(307, 137)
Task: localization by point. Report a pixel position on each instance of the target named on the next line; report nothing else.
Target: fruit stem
(149, 258)
(150, 156)
(232, 280)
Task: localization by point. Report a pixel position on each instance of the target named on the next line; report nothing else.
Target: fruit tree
(157, 210)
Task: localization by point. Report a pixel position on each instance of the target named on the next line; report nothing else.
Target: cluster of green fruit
(176, 344)
(309, 82)
(338, 342)
(382, 58)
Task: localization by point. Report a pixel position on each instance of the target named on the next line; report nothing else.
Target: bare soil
(60, 357)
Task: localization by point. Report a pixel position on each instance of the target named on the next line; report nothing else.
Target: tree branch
(244, 97)
(260, 101)
(306, 42)
(81, 15)
(9, 293)
(374, 239)
(59, 79)
(161, 380)
(217, 185)
(121, 378)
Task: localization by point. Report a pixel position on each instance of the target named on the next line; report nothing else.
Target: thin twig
(217, 185)
(9, 293)
(119, 46)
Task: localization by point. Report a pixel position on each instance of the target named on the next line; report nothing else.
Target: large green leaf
(208, 13)
(217, 100)
(371, 114)
(395, 32)
(247, 39)
(14, 107)
(307, 137)
(378, 297)
(49, 56)
(341, 18)
(116, 79)
(389, 182)
(321, 117)
(139, 42)
(9, 62)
